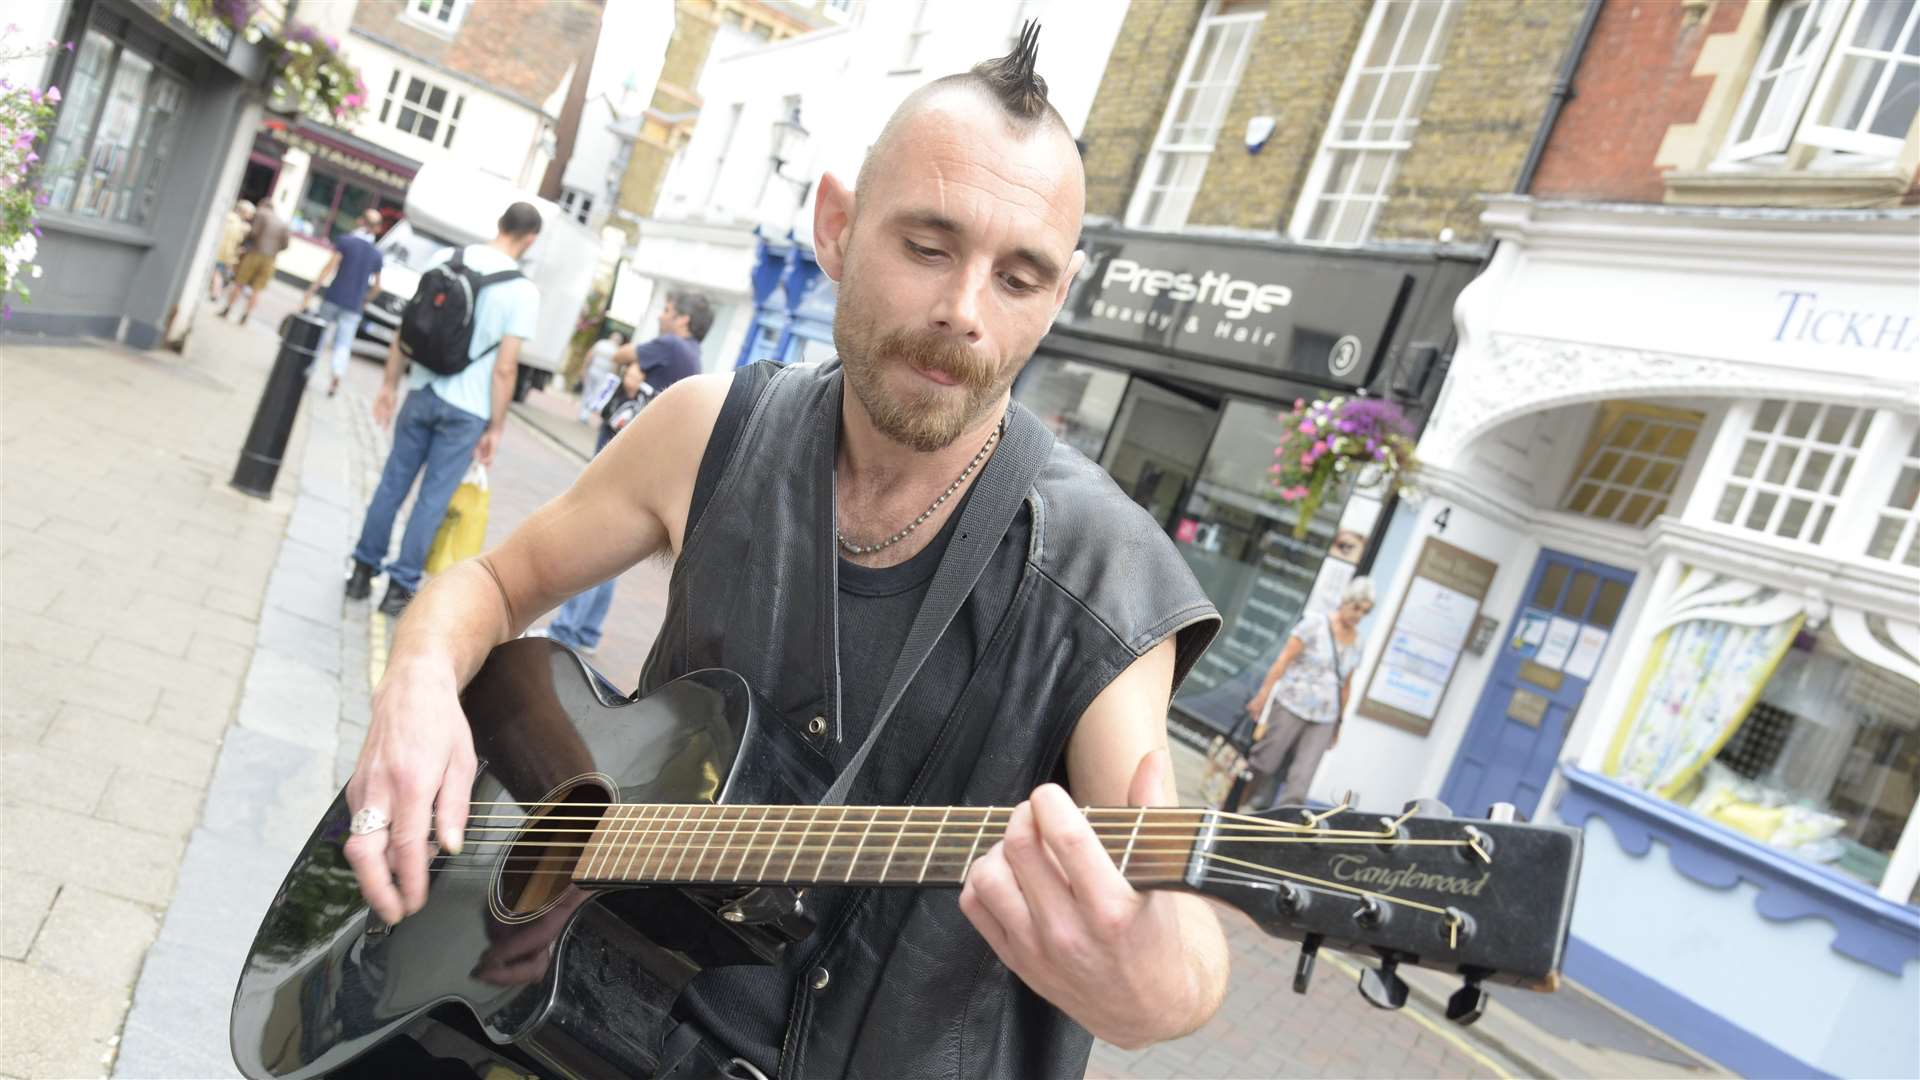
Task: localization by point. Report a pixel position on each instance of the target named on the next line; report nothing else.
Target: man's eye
(922, 252)
(1016, 285)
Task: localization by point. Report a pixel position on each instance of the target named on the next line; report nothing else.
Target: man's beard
(930, 418)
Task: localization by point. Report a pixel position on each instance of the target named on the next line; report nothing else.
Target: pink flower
(1306, 427)
(53, 95)
(1306, 459)
(1319, 447)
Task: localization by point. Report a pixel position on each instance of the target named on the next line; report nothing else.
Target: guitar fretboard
(852, 845)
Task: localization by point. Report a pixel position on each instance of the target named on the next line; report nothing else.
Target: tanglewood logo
(1354, 868)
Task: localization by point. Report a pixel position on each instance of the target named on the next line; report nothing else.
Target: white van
(448, 205)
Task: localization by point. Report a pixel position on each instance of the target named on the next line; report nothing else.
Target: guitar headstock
(1489, 899)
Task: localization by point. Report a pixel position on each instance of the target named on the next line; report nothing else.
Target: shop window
(329, 207)
(1632, 462)
(1792, 467)
(1374, 120)
(442, 16)
(1748, 718)
(109, 151)
(1894, 536)
(421, 109)
(1238, 538)
(912, 51)
(577, 203)
(1841, 75)
(1215, 60)
(1078, 401)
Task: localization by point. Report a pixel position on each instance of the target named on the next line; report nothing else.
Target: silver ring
(368, 820)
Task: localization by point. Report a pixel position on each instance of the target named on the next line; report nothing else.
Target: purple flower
(32, 157)
(1306, 427)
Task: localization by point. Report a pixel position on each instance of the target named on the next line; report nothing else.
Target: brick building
(1337, 153)
(1681, 435)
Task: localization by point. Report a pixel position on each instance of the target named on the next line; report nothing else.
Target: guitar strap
(996, 497)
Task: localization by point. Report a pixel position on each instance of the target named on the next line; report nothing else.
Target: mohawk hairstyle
(1011, 79)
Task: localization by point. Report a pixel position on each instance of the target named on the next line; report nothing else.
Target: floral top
(1310, 688)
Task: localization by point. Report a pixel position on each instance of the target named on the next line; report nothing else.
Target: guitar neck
(702, 844)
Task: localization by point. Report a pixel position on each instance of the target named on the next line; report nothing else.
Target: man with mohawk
(808, 509)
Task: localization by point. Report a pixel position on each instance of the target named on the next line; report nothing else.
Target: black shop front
(1170, 364)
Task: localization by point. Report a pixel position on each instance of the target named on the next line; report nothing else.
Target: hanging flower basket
(1335, 441)
(310, 77)
(26, 118)
(235, 14)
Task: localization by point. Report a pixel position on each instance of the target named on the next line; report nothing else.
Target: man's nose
(957, 310)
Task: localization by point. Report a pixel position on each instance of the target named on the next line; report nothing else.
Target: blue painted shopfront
(793, 303)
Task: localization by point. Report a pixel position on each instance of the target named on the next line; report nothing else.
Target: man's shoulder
(1110, 554)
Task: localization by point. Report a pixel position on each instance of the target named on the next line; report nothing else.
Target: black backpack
(436, 328)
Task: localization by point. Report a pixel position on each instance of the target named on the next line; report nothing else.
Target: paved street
(185, 688)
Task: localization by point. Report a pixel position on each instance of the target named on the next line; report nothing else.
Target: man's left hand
(483, 450)
(1055, 908)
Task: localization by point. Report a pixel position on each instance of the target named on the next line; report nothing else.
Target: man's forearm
(503, 376)
(396, 363)
(455, 621)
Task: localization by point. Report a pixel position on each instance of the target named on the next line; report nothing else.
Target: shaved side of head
(1010, 83)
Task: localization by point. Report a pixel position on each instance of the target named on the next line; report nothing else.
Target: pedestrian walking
(599, 369)
(266, 238)
(684, 322)
(1305, 694)
(448, 420)
(351, 275)
(233, 232)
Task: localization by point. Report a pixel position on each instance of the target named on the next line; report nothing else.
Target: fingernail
(453, 844)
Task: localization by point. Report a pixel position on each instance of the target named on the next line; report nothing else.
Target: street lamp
(789, 142)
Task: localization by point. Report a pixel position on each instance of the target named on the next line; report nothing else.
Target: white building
(734, 217)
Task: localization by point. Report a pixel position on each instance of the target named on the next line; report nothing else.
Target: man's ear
(832, 224)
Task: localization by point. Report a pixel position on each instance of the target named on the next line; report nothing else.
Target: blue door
(1549, 651)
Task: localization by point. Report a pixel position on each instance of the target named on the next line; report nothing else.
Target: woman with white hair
(1300, 704)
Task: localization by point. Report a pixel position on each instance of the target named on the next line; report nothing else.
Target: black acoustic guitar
(617, 847)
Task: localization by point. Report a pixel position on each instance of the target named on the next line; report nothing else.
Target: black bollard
(279, 404)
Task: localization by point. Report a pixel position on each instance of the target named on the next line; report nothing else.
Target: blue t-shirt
(508, 309)
(359, 261)
(667, 359)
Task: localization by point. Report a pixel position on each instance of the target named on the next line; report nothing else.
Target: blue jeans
(430, 434)
(578, 624)
(343, 325)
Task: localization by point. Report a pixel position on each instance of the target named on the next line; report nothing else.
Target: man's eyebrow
(1042, 263)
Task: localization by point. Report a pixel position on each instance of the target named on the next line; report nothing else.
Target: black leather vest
(1084, 583)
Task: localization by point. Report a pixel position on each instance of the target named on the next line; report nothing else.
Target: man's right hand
(417, 767)
(383, 407)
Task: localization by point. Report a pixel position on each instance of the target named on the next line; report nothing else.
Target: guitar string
(911, 816)
(1156, 811)
(1253, 870)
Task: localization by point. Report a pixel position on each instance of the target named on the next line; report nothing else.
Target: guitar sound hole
(539, 864)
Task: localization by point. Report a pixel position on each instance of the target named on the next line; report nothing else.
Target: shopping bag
(1226, 769)
(463, 532)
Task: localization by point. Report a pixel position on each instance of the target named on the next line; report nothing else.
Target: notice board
(1429, 630)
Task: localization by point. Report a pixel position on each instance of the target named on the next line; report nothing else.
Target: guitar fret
(662, 843)
(688, 845)
(826, 849)
(633, 841)
(986, 815)
(773, 845)
(596, 842)
(872, 813)
(900, 831)
(939, 834)
(740, 871)
(803, 843)
(1131, 838)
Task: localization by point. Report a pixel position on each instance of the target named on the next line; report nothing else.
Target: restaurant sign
(1308, 313)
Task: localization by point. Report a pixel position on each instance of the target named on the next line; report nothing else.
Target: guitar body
(503, 968)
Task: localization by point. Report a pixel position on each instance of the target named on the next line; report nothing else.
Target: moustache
(931, 352)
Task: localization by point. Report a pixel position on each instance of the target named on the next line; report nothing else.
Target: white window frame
(447, 24)
(917, 33)
(394, 101)
(1828, 52)
(1816, 37)
(1332, 145)
(1814, 133)
(1163, 150)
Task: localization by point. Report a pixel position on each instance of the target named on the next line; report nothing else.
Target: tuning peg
(1503, 812)
(1468, 1003)
(1384, 988)
(1427, 808)
(1290, 899)
(1303, 970)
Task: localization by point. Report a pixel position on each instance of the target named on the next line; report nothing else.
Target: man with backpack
(462, 333)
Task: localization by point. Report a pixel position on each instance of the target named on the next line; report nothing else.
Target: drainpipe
(1562, 90)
